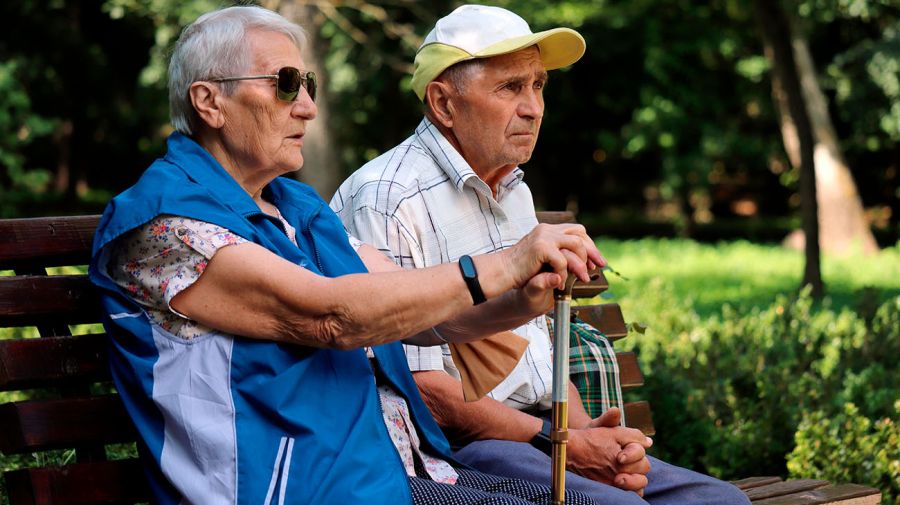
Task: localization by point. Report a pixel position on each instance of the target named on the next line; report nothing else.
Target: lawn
(741, 274)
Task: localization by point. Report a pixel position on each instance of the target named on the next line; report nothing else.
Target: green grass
(741, 274)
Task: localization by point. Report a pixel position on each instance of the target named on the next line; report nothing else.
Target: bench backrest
(60, 415)
(65, 433)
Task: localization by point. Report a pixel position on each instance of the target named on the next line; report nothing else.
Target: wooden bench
(63, 420)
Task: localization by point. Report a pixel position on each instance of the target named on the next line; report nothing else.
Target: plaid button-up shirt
(422, 205)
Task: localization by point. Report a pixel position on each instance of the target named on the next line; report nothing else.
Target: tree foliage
(667, 118)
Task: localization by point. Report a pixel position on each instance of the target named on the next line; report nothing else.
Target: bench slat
(42, 300)
(38, 362)
(844, 494)
(555, 217)
(630, 375)
(639, 416)
(120, 481)
(752, 482)
(607, 318)
(784, 488)
(46, 241)
(38, 425)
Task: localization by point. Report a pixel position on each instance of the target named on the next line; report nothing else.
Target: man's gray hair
(215, 46)
(461, 73)
(458, 75)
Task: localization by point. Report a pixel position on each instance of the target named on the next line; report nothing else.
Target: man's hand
(608, 453)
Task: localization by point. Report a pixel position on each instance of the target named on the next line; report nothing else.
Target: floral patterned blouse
(162, 258)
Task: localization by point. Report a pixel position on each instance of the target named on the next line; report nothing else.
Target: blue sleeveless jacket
(226, 419)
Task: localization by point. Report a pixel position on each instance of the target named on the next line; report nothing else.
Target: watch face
(468, 267)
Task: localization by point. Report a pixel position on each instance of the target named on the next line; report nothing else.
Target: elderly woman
(259, 359)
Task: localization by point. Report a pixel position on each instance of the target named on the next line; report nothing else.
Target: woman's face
(261, 132)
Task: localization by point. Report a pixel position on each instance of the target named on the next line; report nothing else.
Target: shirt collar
(453, 164)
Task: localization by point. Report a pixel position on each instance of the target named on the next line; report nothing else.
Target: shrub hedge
(774, 390)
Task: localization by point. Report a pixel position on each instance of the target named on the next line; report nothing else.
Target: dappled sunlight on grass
(740, 274)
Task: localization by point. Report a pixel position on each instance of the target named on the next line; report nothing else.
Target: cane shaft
(559, 438)
(559, 421)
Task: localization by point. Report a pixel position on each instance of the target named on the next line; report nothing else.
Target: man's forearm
(578, 416)
(484, 419)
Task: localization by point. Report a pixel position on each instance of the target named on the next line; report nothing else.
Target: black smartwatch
(470, 275)
(542, 441)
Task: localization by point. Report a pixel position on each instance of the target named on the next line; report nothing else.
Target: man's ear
(438, 100)
(206, 98)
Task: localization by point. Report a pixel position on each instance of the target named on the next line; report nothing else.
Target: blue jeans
(668, 484)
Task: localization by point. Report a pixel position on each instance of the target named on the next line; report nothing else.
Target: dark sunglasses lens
(311, 85)
(289, 81)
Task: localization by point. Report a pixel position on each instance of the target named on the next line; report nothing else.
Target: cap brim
(559, 47)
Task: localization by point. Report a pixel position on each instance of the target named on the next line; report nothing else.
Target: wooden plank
(33, 300)
(850, 494)
(46, 241)
(607, 318)
(752, 482)
(844, 494)
(38, 425)
(102, 482)
(630, 375)
(38, 362)
(784, 488)
(555, 217)
(639, 416)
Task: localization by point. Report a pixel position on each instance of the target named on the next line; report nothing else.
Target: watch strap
(470, 275)
(542, 440)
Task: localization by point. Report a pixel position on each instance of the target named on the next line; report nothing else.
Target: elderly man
(454, 188)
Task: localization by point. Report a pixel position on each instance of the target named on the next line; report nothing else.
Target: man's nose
(532, 105)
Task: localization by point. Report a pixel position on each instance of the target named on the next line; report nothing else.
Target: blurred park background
(685, 139)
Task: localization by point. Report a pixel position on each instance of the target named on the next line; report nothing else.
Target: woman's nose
(304, 106)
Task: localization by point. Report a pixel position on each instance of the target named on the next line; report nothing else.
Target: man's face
(498, 114)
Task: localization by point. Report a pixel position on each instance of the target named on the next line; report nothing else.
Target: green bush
(730, 391)
(849, 447)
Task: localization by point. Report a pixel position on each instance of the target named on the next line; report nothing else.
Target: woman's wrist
(494, 273)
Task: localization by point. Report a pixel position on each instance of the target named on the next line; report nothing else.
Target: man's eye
(539, 84)
(513, 86)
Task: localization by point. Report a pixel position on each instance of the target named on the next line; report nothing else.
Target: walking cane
(559, 433)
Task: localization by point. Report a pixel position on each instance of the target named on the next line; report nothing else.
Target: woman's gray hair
(215, 46)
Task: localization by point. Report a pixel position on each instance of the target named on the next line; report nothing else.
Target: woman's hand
(560, 248)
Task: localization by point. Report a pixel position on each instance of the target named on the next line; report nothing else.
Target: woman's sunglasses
(288, 81)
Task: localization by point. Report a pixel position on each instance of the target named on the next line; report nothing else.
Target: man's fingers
(625, 436)
(631, 482)
(609, 419)
(630, 454)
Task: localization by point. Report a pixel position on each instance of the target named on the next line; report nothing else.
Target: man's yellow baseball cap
(480, 31)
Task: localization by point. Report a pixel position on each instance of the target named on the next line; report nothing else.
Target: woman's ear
(438, 100)
(206, 99)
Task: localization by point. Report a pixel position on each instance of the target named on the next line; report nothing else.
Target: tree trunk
(777, 37)
(842, 221)
(321, 161)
